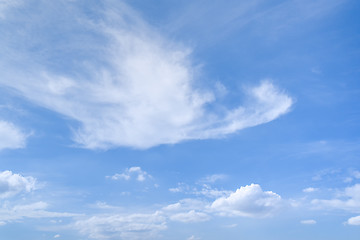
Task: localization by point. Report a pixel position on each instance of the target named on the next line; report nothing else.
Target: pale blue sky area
(179, 120)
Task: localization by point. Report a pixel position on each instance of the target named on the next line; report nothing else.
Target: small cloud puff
(133, 172)
(11, 137)
(310, 190)
(354, 221)
(308, 222)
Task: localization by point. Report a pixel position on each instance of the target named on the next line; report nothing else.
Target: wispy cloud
(6, 5)
(138, 89)
(348, 200)
(34, 210)
(131, 226)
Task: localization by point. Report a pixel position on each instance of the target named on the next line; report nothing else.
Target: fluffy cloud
(12, 184)
(354, 221)
(11, 136)
(136, 172)
(137, 89)
(132, 226)
(348, 200)
(248, 201)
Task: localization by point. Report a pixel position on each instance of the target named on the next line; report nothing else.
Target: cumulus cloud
(354, 221)
(132, 226)
(138, 89)
(133, 172)
(308, 222)
(248, 201)
(348, 200)
(12, 184)
(11, 136)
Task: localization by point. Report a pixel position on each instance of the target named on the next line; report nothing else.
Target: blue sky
(179, 119)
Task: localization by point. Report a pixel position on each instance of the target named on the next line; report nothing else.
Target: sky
(184, 120)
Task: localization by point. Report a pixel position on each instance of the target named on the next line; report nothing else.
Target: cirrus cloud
(137, 89)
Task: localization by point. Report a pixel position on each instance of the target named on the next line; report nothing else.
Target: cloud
(57, 236)
(12, 184)
(310, 190)
(11, 137)
(348, 200)
(248, 201)
(354, 221)
(132, 226)
(213, 178)
(33, 210)
(136, 172)
(308, 222)
(191, 216)
(137, 89)
(192, 237)
(210, 192)
(6, 5)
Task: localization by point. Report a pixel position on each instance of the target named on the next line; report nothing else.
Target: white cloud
(354, 175)
(348, 200)
(308, 222)
(33, 210)
(12, 184)
(186, 204)
(210, 192)
(248, 201)
(213, 178)
(11, 136)
(192, 237)
(57, 236)
(310, 190)
(191, 216)
(354, 221)
(132, 226)
(139, 92)
(133, 172)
